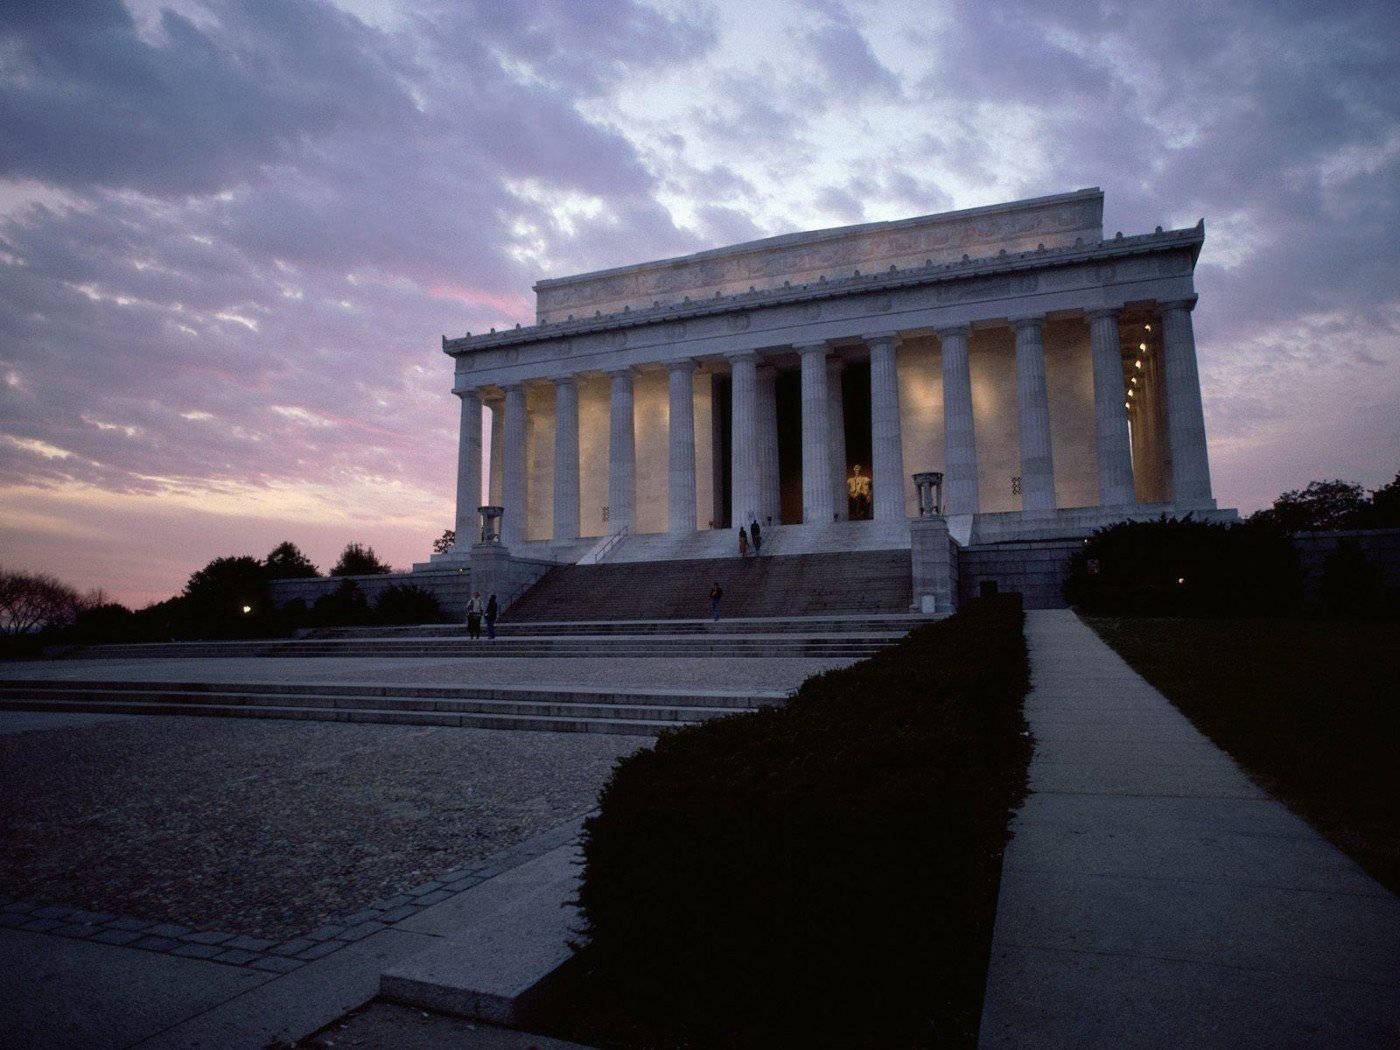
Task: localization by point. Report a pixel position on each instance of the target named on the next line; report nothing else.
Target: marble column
(1186, 424)
(959, 436)
(769, 498)
(513, 482)
(886, 443)
(1033, 414)
(566, 459)
(836, 399)
(816, 436)
(680, 484)
(1110, 417)
(498, 433)
(743, 439)
(468, 469)
(622, 454)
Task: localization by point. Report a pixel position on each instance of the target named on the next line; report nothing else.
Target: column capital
(953, 330)
(625, 372)
(567, 379)
(806, 349)
(1099, 313)
(746, 357)
(469, 391)
(880, 337)
(1031, 321)
(1187, 303)
(684, 364)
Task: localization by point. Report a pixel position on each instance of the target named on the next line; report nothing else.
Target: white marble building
(1048, 372)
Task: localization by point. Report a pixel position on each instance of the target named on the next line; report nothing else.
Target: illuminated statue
(858, 488)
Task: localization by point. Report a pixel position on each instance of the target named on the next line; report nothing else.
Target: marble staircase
(851, 584)
(639, 713)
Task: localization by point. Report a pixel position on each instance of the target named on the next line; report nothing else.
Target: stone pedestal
(935, 565)
(487, 562)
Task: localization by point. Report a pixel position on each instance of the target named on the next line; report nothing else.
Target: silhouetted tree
(359, 560)
(227, 598)
(33, 601)
(1383, 510)
(445, 542)
(286, 561)
(1322, 505)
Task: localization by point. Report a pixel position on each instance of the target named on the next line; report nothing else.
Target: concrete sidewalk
(1153, 896)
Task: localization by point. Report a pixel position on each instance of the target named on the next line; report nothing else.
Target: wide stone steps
(553, 710)
(858, 583)
(828, 646)
(842, 624)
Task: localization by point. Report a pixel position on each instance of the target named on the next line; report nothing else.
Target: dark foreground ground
(267, 828)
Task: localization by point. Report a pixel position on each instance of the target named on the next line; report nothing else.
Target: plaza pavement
(1153, 896)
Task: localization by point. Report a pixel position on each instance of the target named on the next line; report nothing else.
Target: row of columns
(754, 451)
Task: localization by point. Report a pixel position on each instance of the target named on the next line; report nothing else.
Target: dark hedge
(1184, 567)
(824, 873)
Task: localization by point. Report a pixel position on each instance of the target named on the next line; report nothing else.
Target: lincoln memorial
(1046, 371)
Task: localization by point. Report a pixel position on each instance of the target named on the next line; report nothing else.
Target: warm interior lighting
(1142, 347)
(1138, 363)
(1148, 327)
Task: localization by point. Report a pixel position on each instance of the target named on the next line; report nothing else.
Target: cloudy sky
(231, 233)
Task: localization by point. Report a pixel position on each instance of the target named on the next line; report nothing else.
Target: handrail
(604, 547)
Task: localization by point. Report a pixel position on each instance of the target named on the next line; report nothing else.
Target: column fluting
(743, 443)
(836, 438)
(513, 465)
(680, 481)
(1110, 417)
(498, 433)
(1033, 413)
(769, 499)
(886, 447)
(566, 493)
(622, 454)
(816, 438)
(468, 469)
(959, 436)
(1186, 424)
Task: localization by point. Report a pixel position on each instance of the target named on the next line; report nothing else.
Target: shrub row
(822, 873)
(1184, 567)
(220, 615)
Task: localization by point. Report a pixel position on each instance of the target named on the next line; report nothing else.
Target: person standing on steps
(716, 593)
(743, 542)
(474, 616)
(757, 537)
(492, 609)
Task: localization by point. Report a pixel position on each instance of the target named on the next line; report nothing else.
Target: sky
(232, 233)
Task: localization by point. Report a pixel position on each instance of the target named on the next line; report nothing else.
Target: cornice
(930, 274)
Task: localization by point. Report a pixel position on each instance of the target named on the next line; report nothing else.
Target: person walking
(474, 616)
(492, 609)
(716, 593)
(743, 542)
(757, 537)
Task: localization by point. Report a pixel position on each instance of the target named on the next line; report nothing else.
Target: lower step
(549, 724)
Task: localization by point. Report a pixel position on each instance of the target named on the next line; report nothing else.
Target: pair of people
(477, 611)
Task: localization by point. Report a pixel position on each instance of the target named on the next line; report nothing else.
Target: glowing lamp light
(1181, 580)
(1148, 327)
(1137, 363)
(247, 608)
(1142, 346)
(1127, 404)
